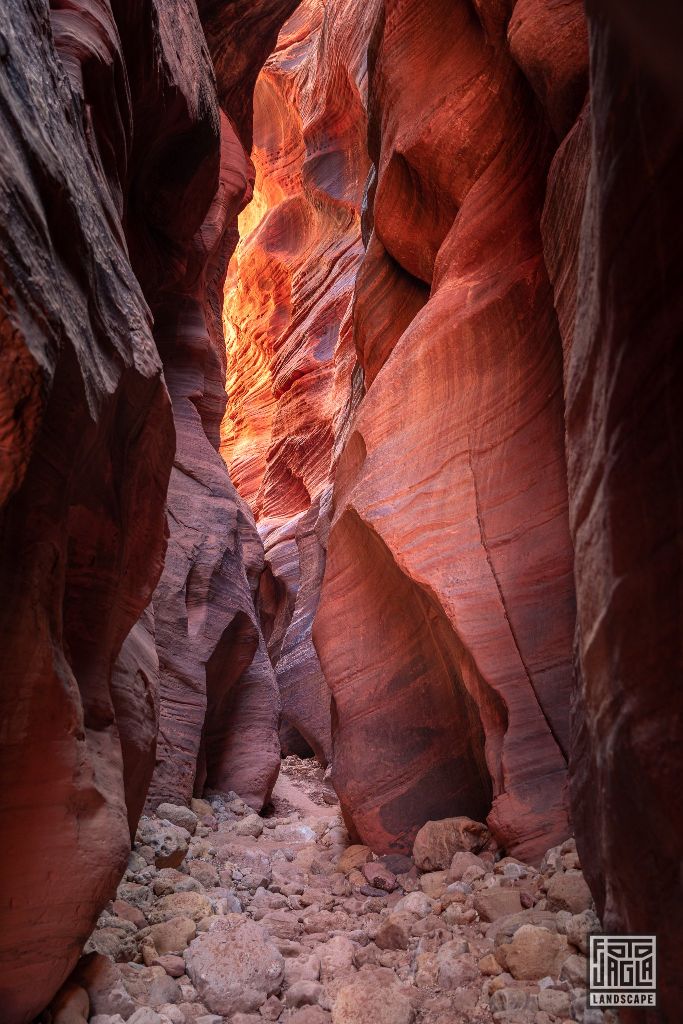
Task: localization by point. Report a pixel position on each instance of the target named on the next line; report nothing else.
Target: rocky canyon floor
(227, 916)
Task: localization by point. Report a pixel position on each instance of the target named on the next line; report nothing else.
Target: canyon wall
(207, 631)
(219, 703)
(453, 361)
(87, 446)
(289, 346)
(623, 377)
(119, 192)
(498, 319)
(447, 611)
(455, 458)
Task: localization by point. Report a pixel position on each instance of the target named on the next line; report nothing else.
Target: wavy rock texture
(615, 263)
(219, 706)
(287, 294)
(118, 200)
(288, 599)
(87, 445)
(207, 632)
(518, 241)
(446, 616)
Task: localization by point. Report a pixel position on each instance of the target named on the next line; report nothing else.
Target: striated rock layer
(207, 632)
(87, 445)
(498, 318)
(516, 313)
(287, 295)
(219, 704)
(521, 244)
(119, 191)
(612, 233)
(445, 622)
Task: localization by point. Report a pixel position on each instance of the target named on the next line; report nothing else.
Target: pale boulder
(168, 842)
(252, 826)
(178, 815)
(180, 904)
(533, 953)
(497, 902)
(103, 982)
(569, 891)
(437, 842)
(235, 966)
(353, 858)
(173, 936)
(394, 931)
(461, 862)
(374, 995)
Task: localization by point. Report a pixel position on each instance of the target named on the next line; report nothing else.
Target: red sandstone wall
(612, 234)
(86, 454)
(117, 212)
(219, 702)
(287, 294)
(207, 631)
(446, 616)
(447, 606)
(520, 291)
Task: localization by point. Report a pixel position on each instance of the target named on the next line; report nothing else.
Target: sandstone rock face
(87, 444)
(446, 616)
(512, 425)
(624, 367)
(135, 696)
(289, 347)
(288, 598)
(120, 188)
(291, 280)
(207, 633)
(219, 708)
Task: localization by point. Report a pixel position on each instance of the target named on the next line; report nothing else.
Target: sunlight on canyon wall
(287, 324)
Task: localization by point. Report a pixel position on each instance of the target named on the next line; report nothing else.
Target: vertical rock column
(86, 445)
(446, 617)
(286, 314)
(624, 376)
(219, 707)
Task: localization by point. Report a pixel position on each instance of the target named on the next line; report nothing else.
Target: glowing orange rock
(446, 618)
(289, 362)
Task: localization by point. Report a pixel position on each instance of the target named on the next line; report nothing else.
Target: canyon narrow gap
(341, 517)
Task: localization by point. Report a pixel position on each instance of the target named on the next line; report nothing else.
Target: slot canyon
(341, 509)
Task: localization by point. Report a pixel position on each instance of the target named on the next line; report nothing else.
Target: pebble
(227, 916)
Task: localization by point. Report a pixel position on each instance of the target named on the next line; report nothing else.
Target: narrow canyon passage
(340, 509)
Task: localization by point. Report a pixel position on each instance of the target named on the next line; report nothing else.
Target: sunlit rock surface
(287, 297)
(446, 618)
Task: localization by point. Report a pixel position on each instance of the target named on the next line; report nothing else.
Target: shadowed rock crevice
(400, 677)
